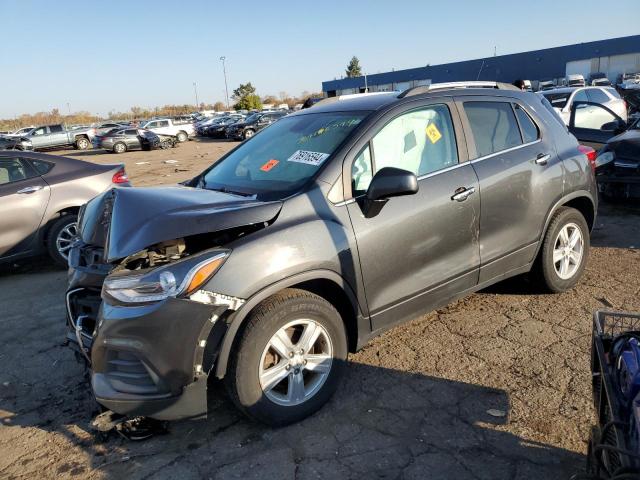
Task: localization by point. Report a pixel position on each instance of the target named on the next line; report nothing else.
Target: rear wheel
(119, 147)
(60, 237)
(289, 359)
(564, 251)
(182, 137)
(248, 134)
(82, 143)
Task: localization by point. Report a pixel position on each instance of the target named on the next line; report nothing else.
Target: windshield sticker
(310, 158)
(269, 165)
(433, 133)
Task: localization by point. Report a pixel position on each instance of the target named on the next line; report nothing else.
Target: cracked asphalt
(494, 386)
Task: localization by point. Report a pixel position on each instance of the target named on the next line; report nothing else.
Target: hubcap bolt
(288, 367)
(297, 371)
(304, 362)
(290, 354)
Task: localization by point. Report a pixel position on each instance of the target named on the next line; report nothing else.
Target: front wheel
(248, 134)
(119, 148)
(182, 137)
(289, 359)
(564, 251)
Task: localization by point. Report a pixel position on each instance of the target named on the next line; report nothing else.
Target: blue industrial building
(614, 57)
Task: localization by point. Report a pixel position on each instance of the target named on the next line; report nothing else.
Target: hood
(626, 146)
(124, 221)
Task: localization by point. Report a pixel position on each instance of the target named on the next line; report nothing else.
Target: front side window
(528, 128)
(422, 141)
(13, 170)
(493, 125)
(284, 157)
(39, 131)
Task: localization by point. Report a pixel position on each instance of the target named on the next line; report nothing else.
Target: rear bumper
(150, 360)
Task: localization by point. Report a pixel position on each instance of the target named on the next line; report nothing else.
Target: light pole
(226, 88)
(366, 88)
(195, 89)
(68, 108)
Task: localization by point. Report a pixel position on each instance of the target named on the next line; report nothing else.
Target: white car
(20, 132)
(166, 126)
(562, 99)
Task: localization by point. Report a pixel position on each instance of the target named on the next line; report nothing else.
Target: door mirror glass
(392, 182)
(615, 126)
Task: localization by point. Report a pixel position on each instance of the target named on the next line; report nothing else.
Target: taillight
(120, 176)
(591, 155)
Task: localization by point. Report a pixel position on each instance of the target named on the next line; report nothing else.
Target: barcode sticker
(310, 158)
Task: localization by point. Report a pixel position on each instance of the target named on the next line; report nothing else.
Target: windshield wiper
(232, 192)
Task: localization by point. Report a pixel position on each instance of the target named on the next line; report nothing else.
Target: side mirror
(617, 126)
(388, 182)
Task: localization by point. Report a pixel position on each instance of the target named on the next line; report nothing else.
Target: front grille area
(128, 374)
(84, 302)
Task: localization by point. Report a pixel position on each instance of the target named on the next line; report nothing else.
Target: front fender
(238, 318)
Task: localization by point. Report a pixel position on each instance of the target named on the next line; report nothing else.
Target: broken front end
(142, 318)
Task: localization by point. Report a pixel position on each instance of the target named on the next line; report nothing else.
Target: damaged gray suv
(317, 234)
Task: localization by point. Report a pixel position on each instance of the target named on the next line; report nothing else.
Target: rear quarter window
(41, 167)
(528, 128)
(598, 96)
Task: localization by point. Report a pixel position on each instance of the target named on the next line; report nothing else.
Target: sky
(115, 54)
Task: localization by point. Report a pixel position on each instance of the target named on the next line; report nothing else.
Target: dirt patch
(494, 386)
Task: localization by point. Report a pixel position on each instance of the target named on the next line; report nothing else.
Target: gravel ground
(425, 400)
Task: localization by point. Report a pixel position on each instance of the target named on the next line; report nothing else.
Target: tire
(248, 134)
(60, 234)
(119, 147)
(253, 351)
(551, 275)
(82, 143)
(182, 136)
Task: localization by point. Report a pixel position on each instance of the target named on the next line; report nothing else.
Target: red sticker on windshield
(269, 165)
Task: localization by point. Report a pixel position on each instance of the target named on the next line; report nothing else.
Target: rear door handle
(462, 193)
(32, 189)
(543, 158)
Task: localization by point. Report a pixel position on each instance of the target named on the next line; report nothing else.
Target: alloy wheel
(568, 251)
(296, 362)
(65, 239)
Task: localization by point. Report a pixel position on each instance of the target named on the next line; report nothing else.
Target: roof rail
(452, 85)
(327, 100)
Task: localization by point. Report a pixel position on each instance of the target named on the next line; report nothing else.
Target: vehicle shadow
(39, 264)
(382, 423)
(88, 153)
(617, 225)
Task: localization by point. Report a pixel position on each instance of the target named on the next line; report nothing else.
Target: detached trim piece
(212, 298)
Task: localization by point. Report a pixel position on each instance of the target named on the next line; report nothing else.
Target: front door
(420, 250)
(23, 200)
(594, 124)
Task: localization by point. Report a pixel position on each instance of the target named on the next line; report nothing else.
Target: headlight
(171, 280)
(604, 158)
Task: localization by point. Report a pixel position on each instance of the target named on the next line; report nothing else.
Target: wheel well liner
(65, 211)
(325, 283)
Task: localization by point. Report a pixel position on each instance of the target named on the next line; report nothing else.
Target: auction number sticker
(269, 165)
(433, 133)
(310, 158)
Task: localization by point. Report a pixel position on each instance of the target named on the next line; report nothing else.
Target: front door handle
(543, 158)
(462, 193)
(32, 189)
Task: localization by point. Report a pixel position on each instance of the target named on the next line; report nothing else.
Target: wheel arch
(324, 283)
(582, 201)
(44, 231)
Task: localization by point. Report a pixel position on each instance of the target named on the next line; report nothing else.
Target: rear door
(24, 196)
(420, 250)
(58, 135)
(520, 176)
(131, 139)
(594, 124)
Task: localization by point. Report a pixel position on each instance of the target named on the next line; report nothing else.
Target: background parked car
(166, 126)
(252, 124)
(102, 128)
(15, 143)
(40, 197)
(575, 81)
(48, 136)
(20, 132)
(120, 140)
(218, 129)
(562, 100)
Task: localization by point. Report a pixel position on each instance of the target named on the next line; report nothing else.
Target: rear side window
(598, 96)
(130, 132)
(41, 167)
(581, 96)
(493, 125)
(528, 128)
(558, 100)
(55, 128)
(613, 92)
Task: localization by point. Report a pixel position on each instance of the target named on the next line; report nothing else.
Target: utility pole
(195, 89)
(68, 108)
(366, 87)
(226, 88)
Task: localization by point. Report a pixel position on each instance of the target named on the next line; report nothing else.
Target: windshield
(283, 157)
(251, 118)
(557, 99)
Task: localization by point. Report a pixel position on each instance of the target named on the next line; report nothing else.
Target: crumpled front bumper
(151, 360)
